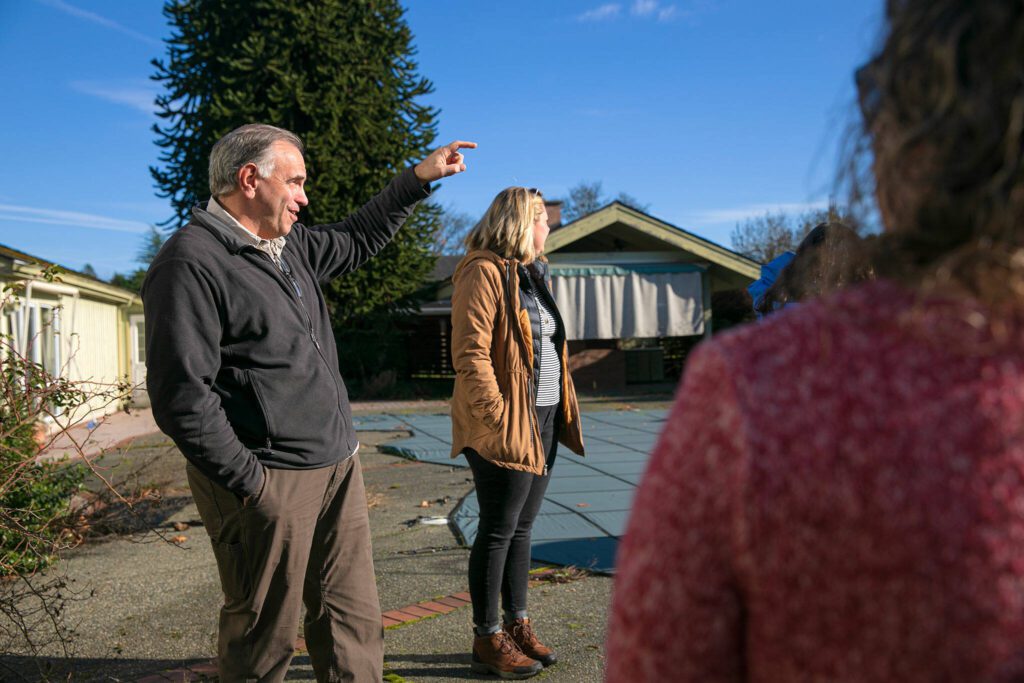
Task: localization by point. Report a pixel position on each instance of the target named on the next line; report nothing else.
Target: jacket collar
(218, 228)
(539, 268)
(499, 261)
(484, 255)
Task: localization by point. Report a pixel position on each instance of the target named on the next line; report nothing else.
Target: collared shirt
(271, 248)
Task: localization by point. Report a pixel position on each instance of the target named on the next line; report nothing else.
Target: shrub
(35, 494)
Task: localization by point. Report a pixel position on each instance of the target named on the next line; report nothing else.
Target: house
(74, 326)
(636, 294)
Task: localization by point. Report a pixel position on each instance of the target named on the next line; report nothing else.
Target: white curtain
(618, 306)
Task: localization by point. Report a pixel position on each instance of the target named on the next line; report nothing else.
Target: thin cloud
(742, 213)
(693, 10)
(643, 8)
(31, 214)
(80, 13)
(602, 13)
(654, 9)
(139, 96)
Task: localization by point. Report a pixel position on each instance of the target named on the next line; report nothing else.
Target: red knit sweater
(837, 495)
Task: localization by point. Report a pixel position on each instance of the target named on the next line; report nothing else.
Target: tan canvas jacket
(493, 408)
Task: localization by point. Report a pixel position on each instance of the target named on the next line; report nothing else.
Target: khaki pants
(305, 539)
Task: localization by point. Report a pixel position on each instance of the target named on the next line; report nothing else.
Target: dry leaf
(424, 503)
(180, 526)
(179, 539)
(582, 505)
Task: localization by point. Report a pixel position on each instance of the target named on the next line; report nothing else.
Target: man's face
(279, 196)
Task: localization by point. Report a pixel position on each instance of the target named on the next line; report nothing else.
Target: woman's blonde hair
(507, 227)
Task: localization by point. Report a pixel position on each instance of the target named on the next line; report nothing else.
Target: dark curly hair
(943, 105)
(830, 257)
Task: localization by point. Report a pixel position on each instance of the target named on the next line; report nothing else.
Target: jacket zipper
(312, 333)
(262, 405)
(532, 409)
(298, 292)
(287, 271)
(540, 359)
(540, 345)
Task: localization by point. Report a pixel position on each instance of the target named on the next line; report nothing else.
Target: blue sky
(707, 110)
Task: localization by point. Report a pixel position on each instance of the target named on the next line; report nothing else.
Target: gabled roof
(10, 253)
(25, 265)
(444, 268)
(617, 212)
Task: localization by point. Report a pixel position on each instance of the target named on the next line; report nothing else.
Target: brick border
(393, 618)
(205, 671)
(425, 609)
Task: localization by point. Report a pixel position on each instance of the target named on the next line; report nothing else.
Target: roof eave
(659, 229)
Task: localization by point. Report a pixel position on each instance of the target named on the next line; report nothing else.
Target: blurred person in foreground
(513, 402)
(829, 258)
(838, 494)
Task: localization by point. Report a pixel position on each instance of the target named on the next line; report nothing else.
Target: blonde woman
(513, 401)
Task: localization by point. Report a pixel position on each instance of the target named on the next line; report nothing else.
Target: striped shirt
(549, 390)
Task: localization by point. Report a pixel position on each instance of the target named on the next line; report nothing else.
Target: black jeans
(509, 500)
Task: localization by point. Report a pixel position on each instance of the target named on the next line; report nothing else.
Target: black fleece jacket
(242, 369)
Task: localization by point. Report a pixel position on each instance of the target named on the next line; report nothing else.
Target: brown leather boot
(498, 654)
(524, 637)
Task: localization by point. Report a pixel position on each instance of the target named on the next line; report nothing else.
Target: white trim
(36, 313)
(618, 257)
(49, 287)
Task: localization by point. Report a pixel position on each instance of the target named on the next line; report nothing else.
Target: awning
(621, 302)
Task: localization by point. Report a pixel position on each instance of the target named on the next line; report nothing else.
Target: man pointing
(243, 376)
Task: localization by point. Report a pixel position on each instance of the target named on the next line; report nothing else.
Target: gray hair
(248, 144)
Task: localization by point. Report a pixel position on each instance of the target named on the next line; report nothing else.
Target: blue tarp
(588, 499)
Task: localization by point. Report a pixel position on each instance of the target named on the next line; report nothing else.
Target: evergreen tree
(151, 243)
(132, 280)
(342, 75)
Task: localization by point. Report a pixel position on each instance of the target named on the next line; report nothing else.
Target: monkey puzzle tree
(343, 76)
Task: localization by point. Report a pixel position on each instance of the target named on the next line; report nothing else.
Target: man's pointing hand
(443, 162)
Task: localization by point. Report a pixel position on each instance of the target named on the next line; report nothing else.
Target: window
(138, 328)
(34, 330)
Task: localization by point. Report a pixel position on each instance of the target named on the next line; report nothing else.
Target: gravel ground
(153, 603)
(569, 617)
